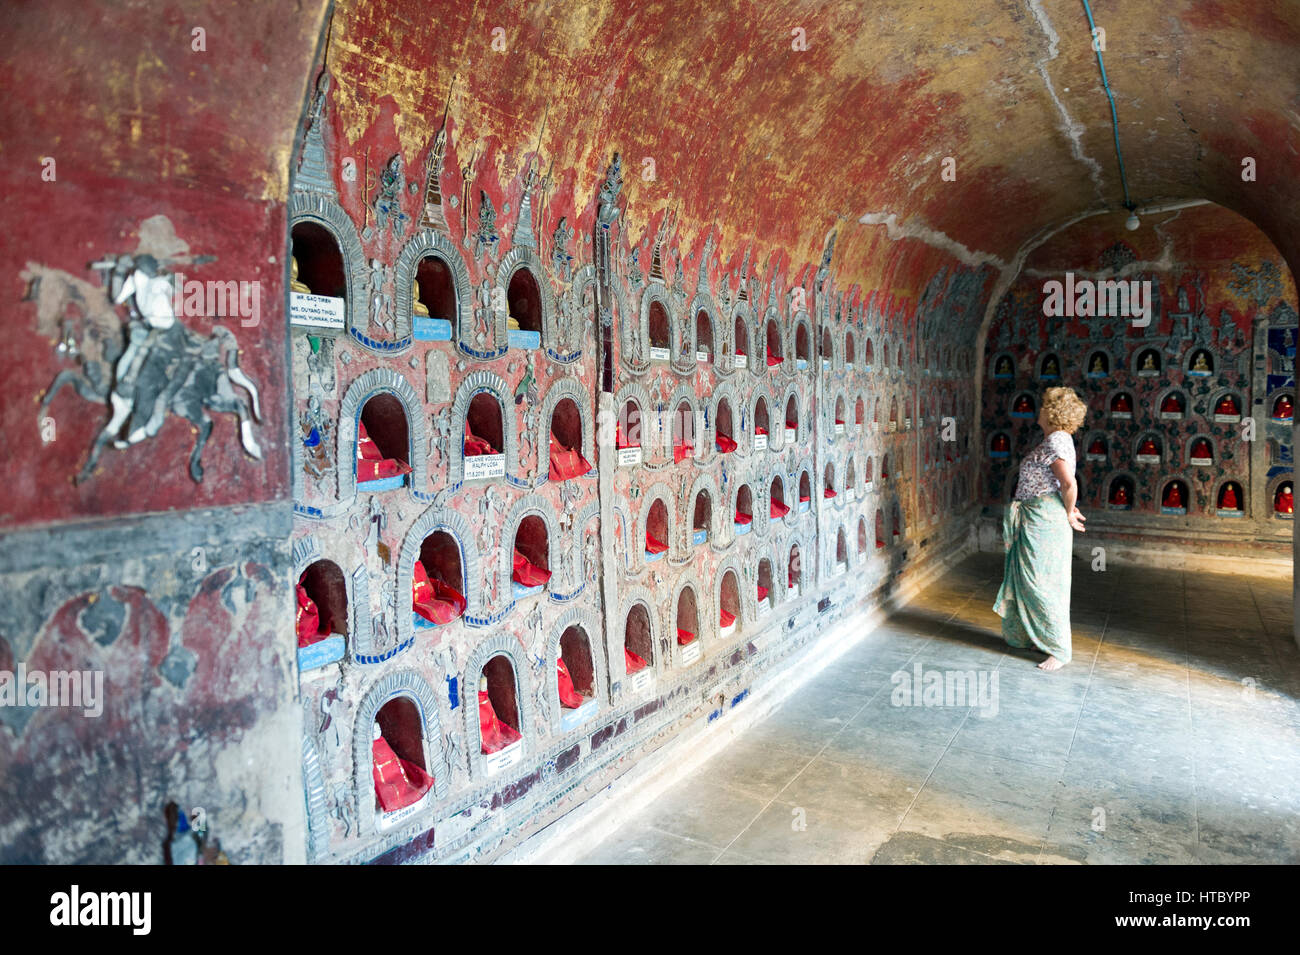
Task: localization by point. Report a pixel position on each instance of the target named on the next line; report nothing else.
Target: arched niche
(762, 423)
(774, 346)
(431, 262)
(841, 550)
(566, 417)
(481, 402)
(318, 223)
(765, 591)
(366, 386)
(529, 299)
(869, 357)
(794, 571)
(730, 612)
(705, 348)
(499, 660)
(791, 418)
(686, 618)
(740, 343)
(532, 541)
(404, 684)
(573, 647)
(850, 351)
(863, 545)
(778, 506)
(442, 561)
(743, 516)
(860, 414)
(702, 517)
(725, 434)
(659, 329)
(657, 526)
(828, 349)
(443, 541)
(1229, 498)
(383, 418)
(321, 266)
(685, 431)
(1121, 492)
(805, 491)
(802, 345)
(850, 478)
(841, 413)
(829, 489)
(880, 528)
(1175, 495)
(639, 636)
(1050, 367)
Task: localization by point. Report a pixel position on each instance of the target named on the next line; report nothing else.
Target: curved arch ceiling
(780, 144)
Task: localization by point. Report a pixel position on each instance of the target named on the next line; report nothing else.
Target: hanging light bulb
(1132, 222)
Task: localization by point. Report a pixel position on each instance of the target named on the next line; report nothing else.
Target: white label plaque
(317, 311)
(485, 466)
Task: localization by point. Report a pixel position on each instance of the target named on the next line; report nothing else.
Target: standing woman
(1038, 534)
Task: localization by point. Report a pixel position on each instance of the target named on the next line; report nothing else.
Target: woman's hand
(1076, 519)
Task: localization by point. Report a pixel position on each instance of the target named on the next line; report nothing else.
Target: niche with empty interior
(742, 343)
(320, 260)
(777, 506)
(775, 350)
(724, 435)
(638, 643)
(860, 414)
(531, 563)
(764, 593)
(656, 530)
(841, 551)
(702, 518)
(402, 776)
(828, 486)
(383, 444)
(850, 479)
(805, 491)
(794, 570)
(627, 434)
(869, 358)
(438, 583)
(760, 424)
(839, 415)
(435, 294)
(849, 353)
(744, 509)
(660, 332)
(567, 461)
(683, 432)
(880, 529)
(802, 346)
(728, 605)
(862, 536)
(322, 616)
(524, 302)
(703, 337)
(828, 348)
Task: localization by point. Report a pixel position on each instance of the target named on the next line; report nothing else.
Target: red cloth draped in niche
(620, 441)
(794, 578)
(308, 623)
(433, 599)
(773, 360)
(743, 518)
(566, 463)
(839, 421)
(528, 573)
(762, 431)
(653, 545)
(371, 463)
(725, 444)
(762, 592)
(682, 451)
(632, 661)
(1284, 501)
(684, 637)
(725, 619)
(804, 498)
(1229, 501)
(829, 492)
(474, 445)
(496, 734)
(398, 782)
(778, 509)
(569, 697)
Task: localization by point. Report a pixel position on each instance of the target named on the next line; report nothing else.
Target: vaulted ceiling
(747, 133)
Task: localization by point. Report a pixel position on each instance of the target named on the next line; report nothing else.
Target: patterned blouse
(1036, 477)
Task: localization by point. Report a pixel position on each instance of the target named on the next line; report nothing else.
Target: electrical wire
(1114, 115)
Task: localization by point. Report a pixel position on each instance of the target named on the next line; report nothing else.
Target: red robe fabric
(1148, 447)
(778, 509)
(653, 545)
(528, 573)
(760, 431)
(632, 661)
(725, 444)
(773, 360)
(398, 782)
(569, 697)
(684, 637)
(762, 592)
(565, 463)
(1284, 502)
(804, 498)
(496, 734)
(371, 463)
(1229, 501)
(793, 578)
(620, 441)
(475, 446)
(433, 599)
(725, 619)
(743, 518)
(1170, 405)
(1173, 497)
(1097, 446)
(1227, 405)
(1121, 403)
(682, 451)
(308, 623)
(829, 492)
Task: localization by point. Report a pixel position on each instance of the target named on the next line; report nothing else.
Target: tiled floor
(1173, 736)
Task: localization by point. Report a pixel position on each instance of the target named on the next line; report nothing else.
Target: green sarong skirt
(1034, 600)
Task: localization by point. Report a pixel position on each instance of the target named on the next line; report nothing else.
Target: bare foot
(1051, 663)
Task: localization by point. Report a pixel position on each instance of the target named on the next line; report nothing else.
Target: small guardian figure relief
(440, 435)
(388, 201)
(589, 558)
(317, 431)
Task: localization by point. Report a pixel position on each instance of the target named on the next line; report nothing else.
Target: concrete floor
(1172, 737)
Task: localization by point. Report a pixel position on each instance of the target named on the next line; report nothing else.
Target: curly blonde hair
(1064, 409)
